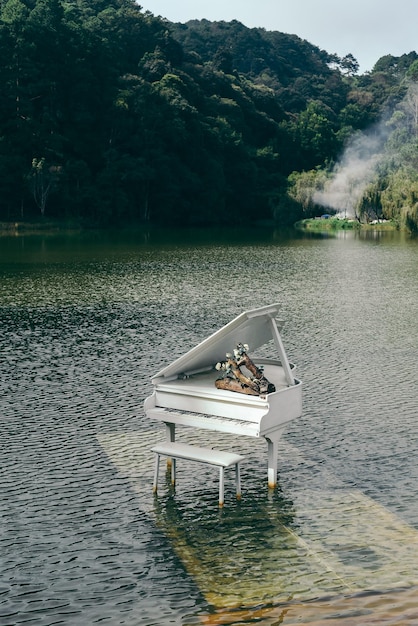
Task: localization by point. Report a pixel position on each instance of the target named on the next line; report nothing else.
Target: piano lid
(255, 328)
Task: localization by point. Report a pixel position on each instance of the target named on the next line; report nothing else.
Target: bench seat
(218, 458)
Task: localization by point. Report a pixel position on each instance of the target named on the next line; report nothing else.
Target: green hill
(109, 115)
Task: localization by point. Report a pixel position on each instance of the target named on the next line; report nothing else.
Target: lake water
(86, 320)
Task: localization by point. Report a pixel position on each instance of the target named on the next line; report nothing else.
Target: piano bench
(221, 459)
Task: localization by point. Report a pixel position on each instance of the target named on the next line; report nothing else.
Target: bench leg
(157, 467)
(238, 481)
(221, 486)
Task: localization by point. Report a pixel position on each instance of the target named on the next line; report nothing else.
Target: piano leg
(238, 481)
(170, 431)
(156, 471)
(221, 486)
(173, 471)
(273, 445)
(170, 435)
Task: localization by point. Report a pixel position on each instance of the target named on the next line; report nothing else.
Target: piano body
(185, 393)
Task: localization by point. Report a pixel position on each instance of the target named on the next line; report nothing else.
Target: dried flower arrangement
(233, 379)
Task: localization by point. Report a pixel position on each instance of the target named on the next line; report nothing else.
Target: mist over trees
(376, 176)
(109, 116)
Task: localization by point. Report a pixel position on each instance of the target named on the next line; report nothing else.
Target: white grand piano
(185, 391)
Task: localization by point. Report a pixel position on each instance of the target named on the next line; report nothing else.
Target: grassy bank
(55, 226)
(335, 223)
(35, 227)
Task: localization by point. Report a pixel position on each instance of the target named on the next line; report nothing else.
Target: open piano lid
(255, 328)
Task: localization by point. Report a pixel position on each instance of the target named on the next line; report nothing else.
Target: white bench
(175, 450)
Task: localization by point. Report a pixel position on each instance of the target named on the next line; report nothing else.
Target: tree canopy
(110, 115)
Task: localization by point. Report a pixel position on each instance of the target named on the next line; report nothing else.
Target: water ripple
(81, 537)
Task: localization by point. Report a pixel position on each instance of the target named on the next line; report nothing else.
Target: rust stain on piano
(185, 393)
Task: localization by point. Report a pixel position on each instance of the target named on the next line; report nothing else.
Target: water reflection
(86, 320)
(328, 542)
(232, 553)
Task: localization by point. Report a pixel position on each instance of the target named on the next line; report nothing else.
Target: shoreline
(320, 224)
(21, 227)
(16, 228)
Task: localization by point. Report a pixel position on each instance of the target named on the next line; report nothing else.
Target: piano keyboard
(204, 420)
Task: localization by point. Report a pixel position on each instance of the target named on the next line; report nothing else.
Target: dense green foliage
(110, 115)
(379, 184)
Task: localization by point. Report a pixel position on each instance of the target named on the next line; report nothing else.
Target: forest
(111, 116)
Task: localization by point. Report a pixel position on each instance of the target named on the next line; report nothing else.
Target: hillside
(109, 115)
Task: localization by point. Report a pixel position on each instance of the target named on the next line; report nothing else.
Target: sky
(367, 29)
